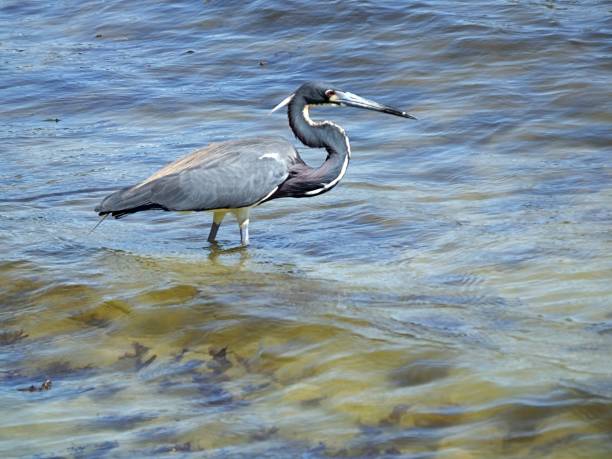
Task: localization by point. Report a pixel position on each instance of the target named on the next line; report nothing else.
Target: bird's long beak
(349, 99)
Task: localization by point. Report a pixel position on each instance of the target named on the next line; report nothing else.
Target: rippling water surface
(450, 299)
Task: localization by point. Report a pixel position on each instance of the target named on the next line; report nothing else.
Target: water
(450, 299)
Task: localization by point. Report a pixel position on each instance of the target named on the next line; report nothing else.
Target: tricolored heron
(238, 175)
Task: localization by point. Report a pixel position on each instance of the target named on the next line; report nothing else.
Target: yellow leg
(242, 215)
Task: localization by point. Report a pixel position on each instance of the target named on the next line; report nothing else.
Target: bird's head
(314, 93)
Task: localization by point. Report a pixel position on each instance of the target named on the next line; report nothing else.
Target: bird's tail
(104, 217)
(127, 201)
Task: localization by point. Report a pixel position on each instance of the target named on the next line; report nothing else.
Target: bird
(237, 175)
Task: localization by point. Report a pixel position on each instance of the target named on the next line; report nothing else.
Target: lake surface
(451, 298)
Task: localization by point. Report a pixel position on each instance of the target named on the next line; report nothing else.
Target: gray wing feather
(221, 176)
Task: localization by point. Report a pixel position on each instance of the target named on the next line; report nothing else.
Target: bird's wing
(221, 176)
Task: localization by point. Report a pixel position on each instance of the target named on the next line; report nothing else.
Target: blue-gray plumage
(237, 175)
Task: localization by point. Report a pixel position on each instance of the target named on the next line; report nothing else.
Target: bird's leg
(244, 233)
(217, 219)
(213, 231)
(242, 215)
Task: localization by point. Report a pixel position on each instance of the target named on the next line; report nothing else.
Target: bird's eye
(329, 93)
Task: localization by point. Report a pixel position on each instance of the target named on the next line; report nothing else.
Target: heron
(238, 175)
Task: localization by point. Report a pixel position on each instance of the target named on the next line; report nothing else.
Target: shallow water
(450, 299)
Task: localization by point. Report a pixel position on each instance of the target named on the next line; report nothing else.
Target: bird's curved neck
(319, 134)
(316, 134)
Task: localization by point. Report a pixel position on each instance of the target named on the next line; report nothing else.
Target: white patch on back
(274, 156)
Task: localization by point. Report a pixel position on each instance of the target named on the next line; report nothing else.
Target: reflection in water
(217, 254)
(450, 299)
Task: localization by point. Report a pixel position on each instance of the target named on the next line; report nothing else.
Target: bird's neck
(316, 134)
(320, 134)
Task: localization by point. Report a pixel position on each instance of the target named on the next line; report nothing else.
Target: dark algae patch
(138, 357)
(46, 385)
(11, 337)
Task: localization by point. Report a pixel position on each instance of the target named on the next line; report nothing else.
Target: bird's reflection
(217, 254)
